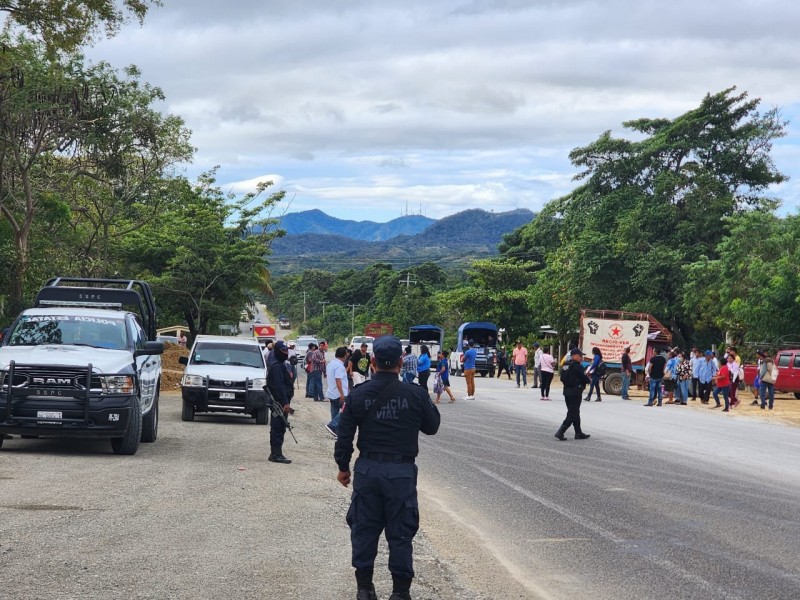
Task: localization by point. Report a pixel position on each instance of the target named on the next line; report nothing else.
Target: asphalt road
(660, 503)
(671, 502)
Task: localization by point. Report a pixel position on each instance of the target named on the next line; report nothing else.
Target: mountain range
(315, 239)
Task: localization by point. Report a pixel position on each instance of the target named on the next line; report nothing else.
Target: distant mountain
(319, 223)
(456, 239)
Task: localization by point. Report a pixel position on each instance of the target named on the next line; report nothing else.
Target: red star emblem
(615, 331)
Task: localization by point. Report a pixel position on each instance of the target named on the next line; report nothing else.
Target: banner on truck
(612, 337)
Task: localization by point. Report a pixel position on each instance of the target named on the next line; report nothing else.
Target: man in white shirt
(336, 372)
(537, 365)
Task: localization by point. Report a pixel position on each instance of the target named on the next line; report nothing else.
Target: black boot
(560, 433)
(401, 587)
(582, 436)
(599, 399)
(277, 456)
(366, 591)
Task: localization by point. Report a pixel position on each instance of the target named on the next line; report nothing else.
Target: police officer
(280, 385)
(574, 379)
(389, 415)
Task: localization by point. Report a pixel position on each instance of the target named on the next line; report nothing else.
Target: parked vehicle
(284, 324)
(357, 340)
(430, 335)
(79, 364)
(788, 363)
(302, 347)
(614, 330)
(484, 337)
(224, 374)
(264, 333)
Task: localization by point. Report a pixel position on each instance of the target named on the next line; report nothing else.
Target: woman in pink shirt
(547, 364)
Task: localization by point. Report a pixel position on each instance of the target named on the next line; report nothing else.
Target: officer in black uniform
(574, 379)
(280, 385)
(389, 415)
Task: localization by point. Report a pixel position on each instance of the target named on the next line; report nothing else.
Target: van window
(783, 360)
(797, 361)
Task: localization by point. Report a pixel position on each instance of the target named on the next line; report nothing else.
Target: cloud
(332, 94)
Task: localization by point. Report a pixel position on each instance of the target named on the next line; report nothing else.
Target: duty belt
(384, 457)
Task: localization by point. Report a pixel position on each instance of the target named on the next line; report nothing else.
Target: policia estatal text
(389, 415)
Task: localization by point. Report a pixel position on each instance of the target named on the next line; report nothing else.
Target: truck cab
(79, 364)
(431, 336)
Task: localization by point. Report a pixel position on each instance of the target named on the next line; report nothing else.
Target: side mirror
(150, 348)
(184, 360)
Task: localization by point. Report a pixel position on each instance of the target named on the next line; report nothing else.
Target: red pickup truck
(788, 362)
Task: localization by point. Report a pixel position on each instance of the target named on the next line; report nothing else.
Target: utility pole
(408, 281)
(323, 302)
(353, 319)
(304, 308)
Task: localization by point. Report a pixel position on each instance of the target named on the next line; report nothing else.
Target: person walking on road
(547, 364)
(389, 415)
(574, 379)
(520, 357)
(502, 363)
(470, 356)
(443, 375)
(337, 387)
(537, 364)
(706, 372)
(281, 387)
(424, 366)
(596, 371)
(359, 362)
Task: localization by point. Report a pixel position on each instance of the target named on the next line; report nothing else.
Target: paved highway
(670, 502)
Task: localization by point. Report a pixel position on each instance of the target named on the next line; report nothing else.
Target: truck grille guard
(23, 391)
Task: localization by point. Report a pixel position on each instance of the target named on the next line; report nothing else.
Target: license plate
(227, 396)
(48, 414)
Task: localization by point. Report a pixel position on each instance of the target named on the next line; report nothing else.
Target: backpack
(601, 368)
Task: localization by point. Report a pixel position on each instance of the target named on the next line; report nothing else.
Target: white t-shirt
(336, 370)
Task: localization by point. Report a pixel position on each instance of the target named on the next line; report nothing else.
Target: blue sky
(364, 108)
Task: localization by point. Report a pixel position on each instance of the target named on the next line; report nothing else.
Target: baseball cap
(387, 350)
(280, 346)
(761, 353)
(575, 351)
(709, 353)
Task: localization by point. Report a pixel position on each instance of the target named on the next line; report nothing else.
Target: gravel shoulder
(200, 513)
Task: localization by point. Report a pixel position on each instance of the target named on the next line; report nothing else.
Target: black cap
(575, 351)
(387, 350)
(280, 346)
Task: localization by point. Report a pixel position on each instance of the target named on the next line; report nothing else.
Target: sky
(369, 110)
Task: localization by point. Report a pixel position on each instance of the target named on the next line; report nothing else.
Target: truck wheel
(150, 421)
(491, 372)
(187, 412)
(129, 444)
(483, 373)
(797, 395)
(613, 384)
(261, 416)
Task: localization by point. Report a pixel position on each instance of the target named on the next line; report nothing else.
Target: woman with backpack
(596, 371)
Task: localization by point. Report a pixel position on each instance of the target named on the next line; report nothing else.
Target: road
(670, 502)
(673, 502)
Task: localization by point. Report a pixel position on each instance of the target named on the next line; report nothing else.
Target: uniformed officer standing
(574, 379)
(389, 415)
(280, 385)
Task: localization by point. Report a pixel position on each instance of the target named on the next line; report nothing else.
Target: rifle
(277, 413)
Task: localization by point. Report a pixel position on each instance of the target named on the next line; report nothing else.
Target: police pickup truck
(79, 364)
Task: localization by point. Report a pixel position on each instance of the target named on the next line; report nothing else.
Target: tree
(64, 25)
(207, 256)
(648, 207)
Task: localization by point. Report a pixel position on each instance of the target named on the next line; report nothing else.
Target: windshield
(218, 353)
(98, 332)
(361, 340)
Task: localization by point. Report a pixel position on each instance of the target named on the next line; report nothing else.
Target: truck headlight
(259, 384)
(117, 384)
(193, 381)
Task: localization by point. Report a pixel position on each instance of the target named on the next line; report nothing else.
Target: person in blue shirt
(706, 372)
(443, 373)
(424, 366)
(596, 373)
(470, 355)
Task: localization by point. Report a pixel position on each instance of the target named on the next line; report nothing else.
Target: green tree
(64, 25)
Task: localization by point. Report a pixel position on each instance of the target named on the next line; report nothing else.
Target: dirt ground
(786, 408)
(171, 369)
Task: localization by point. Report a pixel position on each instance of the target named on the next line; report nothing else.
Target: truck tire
(187, 412)
(797, 395)
(129, 444)
(262, 416)
(483, 373)
(150, 421)
(613, 384)
(491, 372)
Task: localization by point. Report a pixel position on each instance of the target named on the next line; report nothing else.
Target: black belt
(383, 457)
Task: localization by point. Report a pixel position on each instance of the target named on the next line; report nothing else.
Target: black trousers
(384, 500)
(277, 431)
(573, 399)
(547, 379)
(422, 377)
(705, 391)
(695, 387)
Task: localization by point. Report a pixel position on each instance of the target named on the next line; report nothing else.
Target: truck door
(786, 378)
(146, 368)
